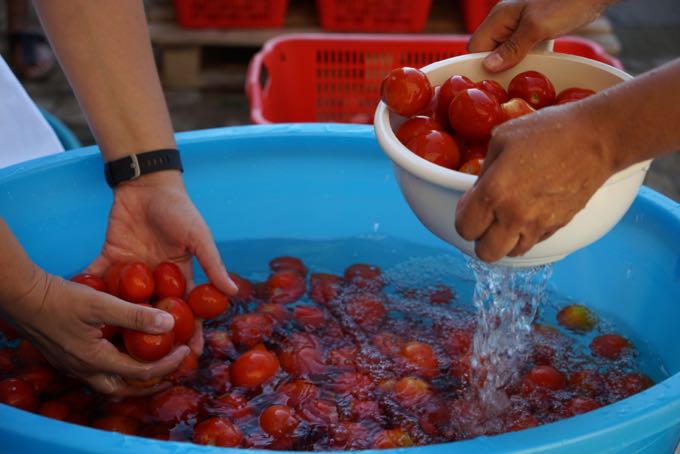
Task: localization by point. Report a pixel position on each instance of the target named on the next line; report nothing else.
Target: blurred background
(203, 50)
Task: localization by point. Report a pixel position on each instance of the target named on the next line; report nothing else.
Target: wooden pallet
(181, 49)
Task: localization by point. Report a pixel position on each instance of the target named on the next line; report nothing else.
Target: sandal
(31, 56)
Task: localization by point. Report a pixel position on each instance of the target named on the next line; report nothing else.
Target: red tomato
(207, 302)
(609, 346)
(302, 355)
(186, 370)
(219, 377)
(421, 356)
(324, 287)
(579, 405)
(54, 409)
(174, 404)
(27, 355)
(220, 344)
(254, 368)
(245, 288)
(233, 406)
(299, 391)
(406, 91)
(544, 377)
(472, 167)
(120, 424)
(449, 89)
(523, 422)
(279, 420)
(534, 87)
(148, 347)
(362, 275)
(494, 89)
(278, 313)
(473, 113)
(112, 278)
(109, 331)
(184, 318)
(516, 107)
(437, 147)
(130, 407)
(319, 412)
(309, 317)
(285, 287)
(289, 264)
(217, 432)
(6, 363)
(169, 281)
(572, 94)
(18, 393)
(626, 385)
(412, 391)
(248, 330)
(587, 382)
(136, 283)
(416, 125)
(366, 309)
(91, 281)
(356, 384)
(41, 376)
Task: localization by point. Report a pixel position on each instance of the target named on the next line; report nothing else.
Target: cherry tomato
(27, 355)
(18, 393)
(324, 287)
(392, 438)
(406, 91)
(254, 368)
(91, 281)
(587, 382)
(129, 407)
(309, 317)
(412, 391)
(573, 94)
(534, 87)
(421, 356)
(544, 377)
(299, 391)
(626, 385)
(366, 309)
(207, 302)
(186, 370)
(416, 125)
(362, 275)
(41, 376)
(219, 377)
(175, 404)
(449, 89)
(285, 287)
(54, 409)
(6, 363)
(220, 344)
(184, 318)
(579, 405)
(609, 346)
(112, 278)
(217, 431)
(169, 281)
(278, 313)
(288, 263)
(473, 113)
(494, 89)
(516, 107)
(302, 355)
(248, 330)
(472, 166)
(120, 424)
(136, 283)
(233, 406)
(437, 147)
(279, 420)
(245, 289)
(356, 384)
(148, 347)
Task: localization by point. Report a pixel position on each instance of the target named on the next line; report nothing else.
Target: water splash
(506, 300)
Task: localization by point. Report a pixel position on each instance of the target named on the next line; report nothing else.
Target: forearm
(639, 119)
(104, 48)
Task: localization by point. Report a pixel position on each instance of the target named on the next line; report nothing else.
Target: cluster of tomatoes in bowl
(450, 125)
(321, 361)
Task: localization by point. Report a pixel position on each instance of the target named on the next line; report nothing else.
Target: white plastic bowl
(433, 191)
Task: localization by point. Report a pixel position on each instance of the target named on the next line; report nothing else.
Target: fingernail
(493, 62)
(232, 284)
(163, 321)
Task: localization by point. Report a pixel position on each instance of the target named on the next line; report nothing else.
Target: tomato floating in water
(609, 346)
(217, 431)
(18, 393)
(289, 264)
(285, 286)
(279, 420)
(253, 368)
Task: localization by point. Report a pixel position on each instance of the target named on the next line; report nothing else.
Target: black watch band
(135, 165)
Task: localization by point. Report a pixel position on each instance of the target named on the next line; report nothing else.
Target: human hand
(63, 320)
(540, 170)
(153, 220)
(514, 27)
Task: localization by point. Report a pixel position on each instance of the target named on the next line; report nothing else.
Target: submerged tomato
(217, 432)
(285, 286)
(279, 420)
(288, 263)
(248, 330)
(254, 368)
(18, 393)
(406, 91)
(609, 346)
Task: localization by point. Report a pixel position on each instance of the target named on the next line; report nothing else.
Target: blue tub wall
(319, 181)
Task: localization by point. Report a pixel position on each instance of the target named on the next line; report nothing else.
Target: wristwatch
(135, 165)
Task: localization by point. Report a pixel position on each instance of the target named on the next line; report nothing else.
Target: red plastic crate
(373, 15)
(336, 78)
(231, 13)
(475, 11)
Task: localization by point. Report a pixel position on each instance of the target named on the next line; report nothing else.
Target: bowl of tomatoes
(434, 123)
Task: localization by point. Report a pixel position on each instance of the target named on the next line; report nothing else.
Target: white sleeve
(24, 132)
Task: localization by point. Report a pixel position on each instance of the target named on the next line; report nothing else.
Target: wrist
(134, 166)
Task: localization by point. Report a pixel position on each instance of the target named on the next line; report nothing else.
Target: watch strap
(135, 165)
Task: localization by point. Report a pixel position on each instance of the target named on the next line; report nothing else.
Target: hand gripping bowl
(432, 191)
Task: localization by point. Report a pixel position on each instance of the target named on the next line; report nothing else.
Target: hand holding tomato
(531, 184)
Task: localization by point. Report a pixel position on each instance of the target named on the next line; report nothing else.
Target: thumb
(510, 52)
(116, 312)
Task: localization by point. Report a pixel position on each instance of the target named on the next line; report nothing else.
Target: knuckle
(137, 317)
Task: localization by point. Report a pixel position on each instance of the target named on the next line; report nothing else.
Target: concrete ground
(649, 32)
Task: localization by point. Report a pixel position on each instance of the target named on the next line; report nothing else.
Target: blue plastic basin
(318, 181)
